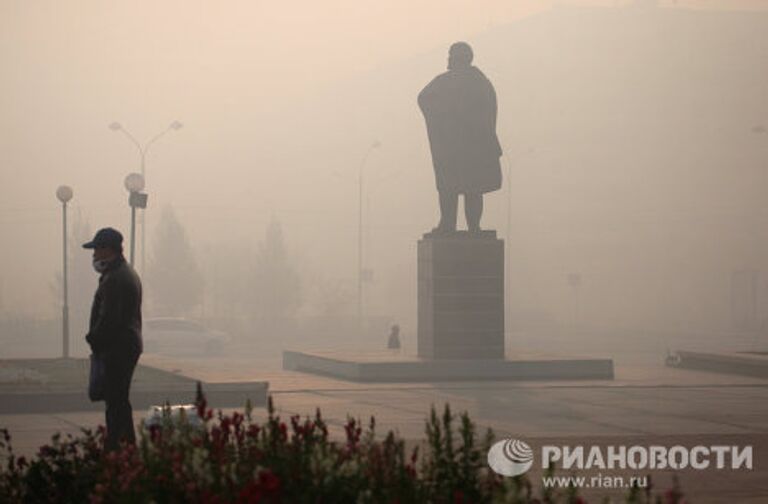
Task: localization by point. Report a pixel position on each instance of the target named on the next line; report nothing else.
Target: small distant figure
(114, 333)
(393, 343)
(459, 107)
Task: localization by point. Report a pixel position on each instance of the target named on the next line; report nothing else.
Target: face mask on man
(100, 265)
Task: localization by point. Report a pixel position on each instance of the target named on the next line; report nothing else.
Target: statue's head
(459, 56)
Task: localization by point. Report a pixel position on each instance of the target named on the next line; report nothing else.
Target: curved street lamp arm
(368, 153)
(133, 139)
(155, 139)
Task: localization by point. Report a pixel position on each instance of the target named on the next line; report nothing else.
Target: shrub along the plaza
(234, 459)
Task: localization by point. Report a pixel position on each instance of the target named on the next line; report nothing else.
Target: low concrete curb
(738, 363)
(392, 370)
(218, 395)
(64, 388)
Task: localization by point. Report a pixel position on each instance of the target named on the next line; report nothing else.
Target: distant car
(180, 336)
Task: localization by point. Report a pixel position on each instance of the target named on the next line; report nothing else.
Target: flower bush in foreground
(231, 458)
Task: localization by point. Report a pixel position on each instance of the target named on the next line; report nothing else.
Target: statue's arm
(493, 113)
(423, 98)
(491, 104)
(427, 96)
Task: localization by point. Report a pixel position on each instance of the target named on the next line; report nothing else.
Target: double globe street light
(134, 183)
(143, 150)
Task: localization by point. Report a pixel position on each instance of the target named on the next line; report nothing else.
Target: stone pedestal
(461, 326)
(461, 296)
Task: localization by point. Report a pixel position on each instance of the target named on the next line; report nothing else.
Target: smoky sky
(281, 102)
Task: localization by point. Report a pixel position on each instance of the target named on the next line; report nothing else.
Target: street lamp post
(64, 194)
(134, 182)
(374, 145)
(143, 149)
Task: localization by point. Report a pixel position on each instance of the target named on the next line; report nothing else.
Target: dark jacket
(459, 107)
(115, 325)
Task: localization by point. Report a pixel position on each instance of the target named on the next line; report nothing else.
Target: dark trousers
(473, 210)
(118, 373)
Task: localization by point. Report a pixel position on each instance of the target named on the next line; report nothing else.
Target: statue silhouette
(459, 107)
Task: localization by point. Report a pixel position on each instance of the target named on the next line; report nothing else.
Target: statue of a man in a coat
(459, 107)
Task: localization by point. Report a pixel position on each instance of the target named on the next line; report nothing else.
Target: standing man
(459, 107)
(115, 331)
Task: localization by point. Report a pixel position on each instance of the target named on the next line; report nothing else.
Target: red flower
(250, 493)
(673, 496)
(269, 481)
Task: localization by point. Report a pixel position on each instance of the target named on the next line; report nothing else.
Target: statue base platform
(461, 295)
(385, 367)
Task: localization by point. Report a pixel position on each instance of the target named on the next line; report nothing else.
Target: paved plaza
(646, 404)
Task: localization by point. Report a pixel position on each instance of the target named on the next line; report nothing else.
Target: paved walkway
(646, 404)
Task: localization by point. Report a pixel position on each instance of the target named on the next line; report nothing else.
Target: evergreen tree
(277, 285)
(174, 282)
(229, 279)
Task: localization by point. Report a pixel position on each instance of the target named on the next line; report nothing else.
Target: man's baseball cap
(106, 238)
